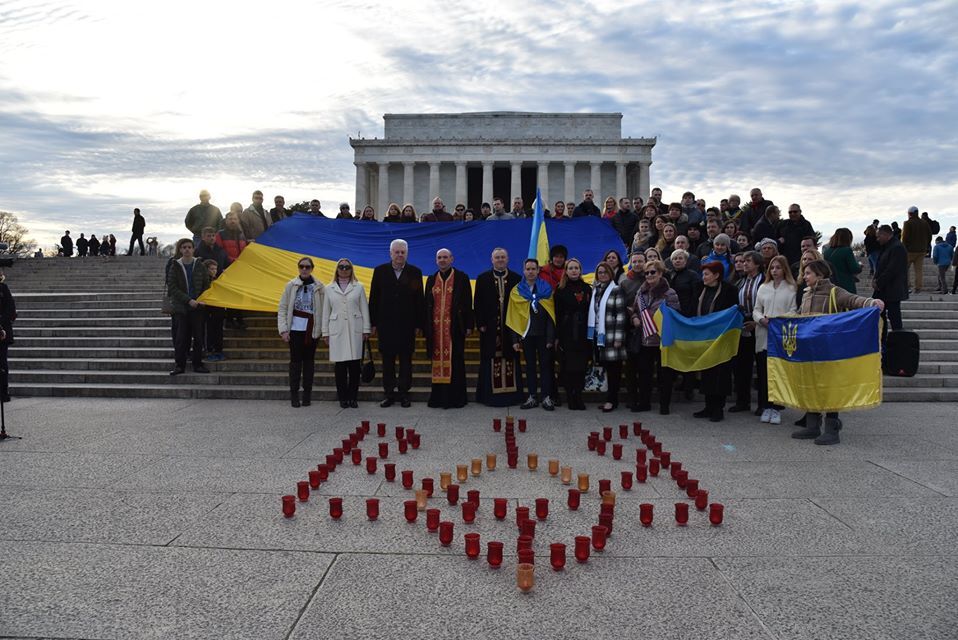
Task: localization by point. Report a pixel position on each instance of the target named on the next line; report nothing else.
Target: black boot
(309, 369)
(294, 377)
(830, 433)
(812, 428)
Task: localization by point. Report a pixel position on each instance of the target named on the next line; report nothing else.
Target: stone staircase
(93, 328)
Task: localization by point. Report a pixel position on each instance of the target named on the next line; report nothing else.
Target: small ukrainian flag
(696, 344)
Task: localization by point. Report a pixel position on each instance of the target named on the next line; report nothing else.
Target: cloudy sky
(849, 108)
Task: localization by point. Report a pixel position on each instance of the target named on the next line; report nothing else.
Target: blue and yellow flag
(256, 280)
(826, 362)
(695, 344)
(538, 235)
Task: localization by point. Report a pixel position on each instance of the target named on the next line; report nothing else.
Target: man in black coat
(587, 206)
(625, 222)
(891, 277)
(66, 244)
(791, 232)
(8, 313)
(767, 225)
(139, 226)
(82, 245)
(396, 314)
(500, 376)
(449, 321)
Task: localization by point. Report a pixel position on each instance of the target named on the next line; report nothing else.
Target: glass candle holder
(525, 577)
(410, 510)
(604, 485)
(432, 519)
(497, 424)
(510, 421)
(605, 519)
(583, 482)
(452, 493)
(666, 458)
(553, 467)
(592, 442)
(608, 497)
(626, 480)
(701, 499)
(421, 499)
(681, 478)
(640, 456)
(641, 473)
(500, 507)
(476, 468)
(691, 487)
(522, 425)
(645, 514)
(429, 485)
(654, 467)
(606, 433)
(542, 508)
(313, 478)
(681, 513)
(381, 429)
(473, 496)
(522, 513)
(674, 468)
(407, 479)
(302, 490)
(372, 508)
(583, 546)
(356, 455)
(331, 462)
(532, 460)
(656, 449)
(575, 497)
(335, 508)
(468, 512)
(523, 542)
(410, 432)
(383, 449)
(599, 534)
(637, 428)
(415, 440)
(512, 459)
(289, 506)
(400, 433)
(472, 545)
(462, 472)
(371, 464)
(716, 513)
(348, 443)
(445, 479)
(565, 475)
(623, 431)
(389, 472)
(617, 451)
(526, 556)
(528, 528)
(494, 553)
(365, 425)
(445, 533)
(402, 445)
(607, 508)
(338, 456)
(600, 447)
(557, 556)
(490, 462)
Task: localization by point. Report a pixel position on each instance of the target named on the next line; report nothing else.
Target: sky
(848, 108)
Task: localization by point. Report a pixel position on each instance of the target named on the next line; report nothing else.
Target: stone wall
(503, 126)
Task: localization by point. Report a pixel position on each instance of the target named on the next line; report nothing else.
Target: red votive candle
(381, 429)
(452, 493)
(623, 431)
(557, 556)
(383, 449)
(372, 508)
(512, 459)
(335, 508)
(415, 440)
(716, 513)
(600, 447)
(314, 478)
(472, 545)
(410, 510)
(348, 443)
(522, 425)
(473, 496)
(654, 467)
(407, 479)
(402, 445)
(429, 486)
(592, 442)
(701, 499)
(645, 514)
(606, 433)
(640, 456)
(656, 449)
(605, 519)
(400, 433)
(500, 507)
(526, 556)
(617, 452)
(497, 424)
(608, 508)
(637, 428)
(365, 424)
(542, 508)
(356, 456)
(627, 480)
(522, 514)
(494, 553)
(468, 512)
(510, 420)
(371, 465)
(681, 478)
(575, 497)
(528, 528)
(338, 455)
(331, 462)
(681, 513)
(289, 506)
(599, 534)
(665, 458)
(582, 548)
(445, 533)
(323, 472)
(691, 487)
(302, 490)
(674, 467)
(389, 471)
(523, 542)
(641, 473)
(432, 519)
(604, 485)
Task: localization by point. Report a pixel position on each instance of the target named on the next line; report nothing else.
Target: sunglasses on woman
(305, 266)
(343, 267)
(651, 273)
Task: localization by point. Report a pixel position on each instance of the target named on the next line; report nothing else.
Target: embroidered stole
(442, 312)
(503, 368)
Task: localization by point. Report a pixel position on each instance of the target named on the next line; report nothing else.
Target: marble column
(487, 194)
(570, 194)
(362, 186)
(433, 186)
(595, 183)
(407, 183)
(461, 184)
(383, 200)
(515, 188)
(542, 181)
(645, 184)
(620, 187)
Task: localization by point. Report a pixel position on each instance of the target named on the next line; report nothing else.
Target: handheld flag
(538, 236)
(695, 344)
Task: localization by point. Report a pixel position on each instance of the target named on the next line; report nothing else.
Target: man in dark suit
(396, 314)
(891, 277)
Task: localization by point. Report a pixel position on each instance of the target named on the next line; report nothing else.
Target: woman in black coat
(572, 343)
(716, 383)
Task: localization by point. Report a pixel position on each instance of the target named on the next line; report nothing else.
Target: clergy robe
(495, 350)
(448, 316)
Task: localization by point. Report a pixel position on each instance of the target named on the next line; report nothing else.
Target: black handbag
(368, 372)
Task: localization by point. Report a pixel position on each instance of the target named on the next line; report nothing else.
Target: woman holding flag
(653, 293)
(716, 382)
(606, 330)
(776, 297)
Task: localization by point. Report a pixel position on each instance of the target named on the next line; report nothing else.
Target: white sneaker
(775, 417)
(766, 415)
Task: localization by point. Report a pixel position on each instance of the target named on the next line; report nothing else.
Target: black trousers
(742, 370)
(632, 377)
(613, 373)
(649, 362)
(137, 237)
(761, 363)
(389, 373)
(538, 365)
(214, 329)
(4, 371)
(190, 328)
(302, 361)
(347, 380)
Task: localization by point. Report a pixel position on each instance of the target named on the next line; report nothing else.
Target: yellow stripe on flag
(835, 385)
(697, 355)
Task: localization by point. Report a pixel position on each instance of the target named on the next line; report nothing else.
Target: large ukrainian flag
(695, 344)
(826, 362)
(256, 280)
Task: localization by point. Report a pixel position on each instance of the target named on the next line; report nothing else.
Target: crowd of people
(692, 258)
(105, 245)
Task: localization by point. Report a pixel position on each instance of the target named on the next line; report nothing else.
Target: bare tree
(15, 235)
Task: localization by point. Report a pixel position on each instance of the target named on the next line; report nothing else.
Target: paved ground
(161, 519)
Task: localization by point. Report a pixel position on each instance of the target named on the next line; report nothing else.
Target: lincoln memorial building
(471, 157)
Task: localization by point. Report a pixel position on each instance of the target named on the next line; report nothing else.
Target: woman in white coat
(776, 297)
(345, 328)
(298, 320)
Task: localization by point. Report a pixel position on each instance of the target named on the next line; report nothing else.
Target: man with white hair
(449, 321)
(396, 315)
(438, 213)
(500, 376)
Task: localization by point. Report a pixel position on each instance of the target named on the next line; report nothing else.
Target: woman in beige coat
(298, 321)
(345, 329)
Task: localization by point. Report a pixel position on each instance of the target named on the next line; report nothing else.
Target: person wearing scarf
(531, 318)
(742, 364)
(346, 326)
(573, 350)
(629, 283)
(715, 384)
(655, 292)
(298, 319)
(606, 330)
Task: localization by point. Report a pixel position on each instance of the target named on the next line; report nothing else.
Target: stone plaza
(162, 519)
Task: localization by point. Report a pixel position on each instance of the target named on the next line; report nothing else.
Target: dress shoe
(343, 404)
(739, 408)
(353, 404)
(664, 411)
(387, 402)
(307, 398)
(405, 403)
(177, 371)
(200, 369)
(703, 413)
(717, 416)
(642, 406)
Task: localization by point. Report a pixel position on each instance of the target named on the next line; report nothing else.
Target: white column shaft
(433, 185)
(645, 182)
(383, 200)
(570, 195)
(542, 181)
(596, 181)
(362, 186)
(620, 187)
(487, 182)
(516, 185)
(461, 183)
(407, 182)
